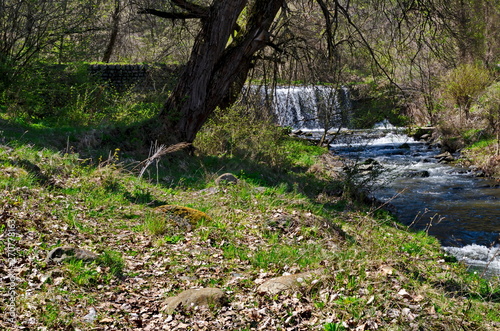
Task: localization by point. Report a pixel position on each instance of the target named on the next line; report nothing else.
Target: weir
(312, 107)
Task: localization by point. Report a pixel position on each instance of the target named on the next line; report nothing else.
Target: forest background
(426, 62)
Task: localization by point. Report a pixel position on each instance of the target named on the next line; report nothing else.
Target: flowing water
(450, 203)
(313, 107)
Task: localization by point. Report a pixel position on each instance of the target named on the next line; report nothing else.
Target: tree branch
(328, 25)
(191, 11)
(345, 13)
(191, 7)
(171, 15)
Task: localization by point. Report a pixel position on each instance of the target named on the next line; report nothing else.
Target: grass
(483, 143)
(281, 218)
(156, 226)
(113, 261)
(483, 154)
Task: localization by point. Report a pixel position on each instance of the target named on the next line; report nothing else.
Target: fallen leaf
(404, 294)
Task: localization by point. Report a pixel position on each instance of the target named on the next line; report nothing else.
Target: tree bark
(218, 65)
(114, 32)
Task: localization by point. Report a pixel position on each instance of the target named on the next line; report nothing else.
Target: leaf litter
(229, 253)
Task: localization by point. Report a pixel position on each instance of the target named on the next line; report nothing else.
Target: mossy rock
(184, 217)
(209, 297)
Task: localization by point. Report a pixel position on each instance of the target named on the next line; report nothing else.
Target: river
(451, 203)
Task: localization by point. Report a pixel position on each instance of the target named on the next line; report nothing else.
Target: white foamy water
(478, 256)
(311, 107)
(384, 125)
(389, 140)
(461, 210)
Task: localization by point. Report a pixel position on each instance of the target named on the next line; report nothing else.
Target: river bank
(345, 265)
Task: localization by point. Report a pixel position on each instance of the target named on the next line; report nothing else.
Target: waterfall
(312, 107)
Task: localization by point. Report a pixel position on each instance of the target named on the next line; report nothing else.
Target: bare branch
(191, 11)
(345, 13)
(191, 7)
(171, 15)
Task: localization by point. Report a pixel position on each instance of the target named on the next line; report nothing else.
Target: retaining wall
(142, 77)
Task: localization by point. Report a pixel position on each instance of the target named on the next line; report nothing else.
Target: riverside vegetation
(290, 212)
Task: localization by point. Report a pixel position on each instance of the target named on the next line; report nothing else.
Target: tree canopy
(221, 44)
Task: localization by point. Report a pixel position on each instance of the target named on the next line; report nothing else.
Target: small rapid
(425, 193)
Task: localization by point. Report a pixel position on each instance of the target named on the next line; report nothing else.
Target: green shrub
(69, 95)
(462, 85)
(374, 103)
(489, 107)
(236, 132)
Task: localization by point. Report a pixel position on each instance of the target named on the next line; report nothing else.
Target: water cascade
(449, 202)
(312, 107)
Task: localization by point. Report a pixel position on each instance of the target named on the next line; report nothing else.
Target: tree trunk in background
(114, 32)
(219, 64)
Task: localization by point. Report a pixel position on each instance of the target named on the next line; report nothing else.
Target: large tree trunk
(216, 67)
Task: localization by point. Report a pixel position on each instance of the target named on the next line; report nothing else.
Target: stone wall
(140, 77)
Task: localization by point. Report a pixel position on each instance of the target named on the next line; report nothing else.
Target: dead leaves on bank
(86, 296)
(155, 272)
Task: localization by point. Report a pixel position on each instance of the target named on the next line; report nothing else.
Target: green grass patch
(483, 144)
(156, 226)
(277, 256)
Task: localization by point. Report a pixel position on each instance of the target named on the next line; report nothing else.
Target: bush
(488, 105)
(374, 103)
(238, 132)
(69, 95)
(462, 85)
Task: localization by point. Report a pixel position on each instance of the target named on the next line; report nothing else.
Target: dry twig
(156, 152)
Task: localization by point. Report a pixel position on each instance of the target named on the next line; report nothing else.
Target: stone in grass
(91, 316)
(14, 172)
(209, 297)
(280, 284)
(60, 254)
(445, 157)
(183, 217)
(226, 179)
